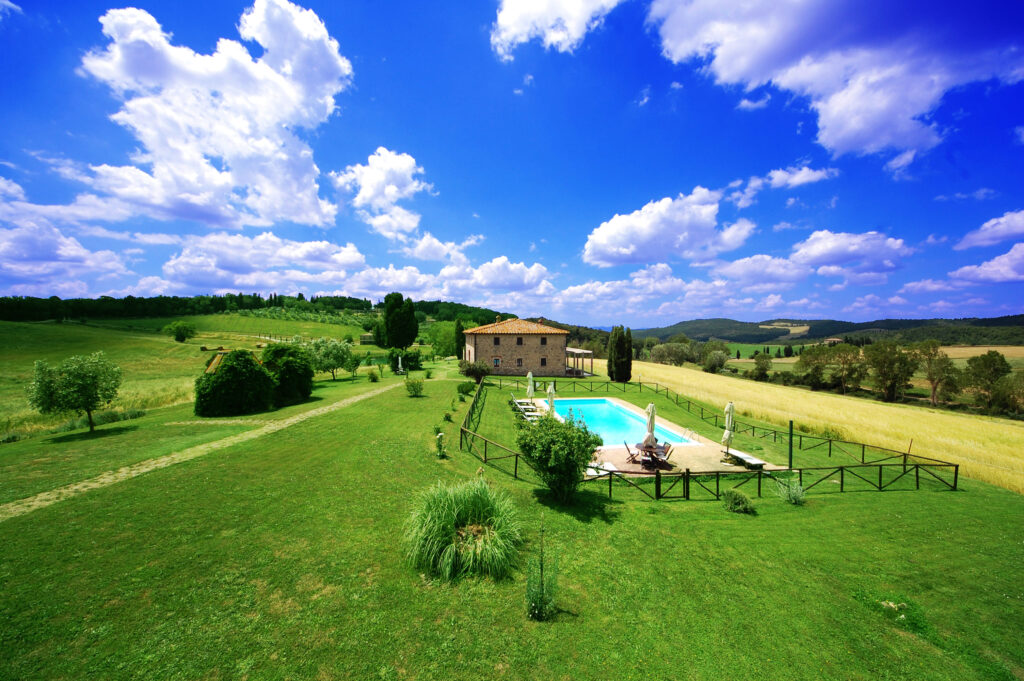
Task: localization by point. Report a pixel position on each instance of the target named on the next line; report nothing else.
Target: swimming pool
(614, 423)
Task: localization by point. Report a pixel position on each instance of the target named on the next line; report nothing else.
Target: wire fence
(879, 474)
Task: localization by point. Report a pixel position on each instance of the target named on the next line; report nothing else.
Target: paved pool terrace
(697, 453)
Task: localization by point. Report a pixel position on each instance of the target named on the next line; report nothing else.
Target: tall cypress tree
(460, 339)
(613, 352)
(625, 370)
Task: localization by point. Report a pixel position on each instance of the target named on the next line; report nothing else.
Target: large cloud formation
(872, 70)
(218, 131)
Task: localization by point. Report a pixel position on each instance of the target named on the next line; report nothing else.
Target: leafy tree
(670, 353)
(1008, 394)
(762, 365)
(983, 373)
(714, 361)
(476, 370)
(442, 338)
(292, 369)
(460, 340)
(559, 452)
(180, 331)
(737, 354)
(352, 364)
(241, 385)
(329, 355)
(892, 366)
(788, 351)
(848, 366)
(942, 375)
(812, 363)
(80, 384)
(679, 338)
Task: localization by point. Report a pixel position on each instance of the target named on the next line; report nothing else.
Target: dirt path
(43, 499)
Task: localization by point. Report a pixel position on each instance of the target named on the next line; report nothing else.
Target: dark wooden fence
(879, 474)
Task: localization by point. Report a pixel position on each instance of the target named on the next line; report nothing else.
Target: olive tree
(180, 331)
(81, 384)
(559, 451)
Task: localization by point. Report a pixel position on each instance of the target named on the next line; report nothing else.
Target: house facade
(514, 347)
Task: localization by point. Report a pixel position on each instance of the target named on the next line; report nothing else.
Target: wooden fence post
(759, 483)
(879, 477)
(862, 446)
(791, 445)
(917, 476)
(830, 449)
(718, 492)
(956, 475)
(515, 471)
(485, 450)
(609, 484)
(686, 484)
(657, 483)
(842, 481)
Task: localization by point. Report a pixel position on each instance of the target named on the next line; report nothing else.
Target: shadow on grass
(585, 506)
(101, 433)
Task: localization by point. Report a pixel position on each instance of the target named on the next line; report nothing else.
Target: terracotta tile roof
(519, 327)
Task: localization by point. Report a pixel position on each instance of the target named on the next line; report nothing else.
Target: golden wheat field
(987, 448)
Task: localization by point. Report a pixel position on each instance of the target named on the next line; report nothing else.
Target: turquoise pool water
(614, 424)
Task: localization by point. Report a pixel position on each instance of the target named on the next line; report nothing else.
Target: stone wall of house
(517, 360)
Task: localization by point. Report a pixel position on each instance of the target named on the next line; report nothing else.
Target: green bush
(478, 371)
(414, 386)
(466, 387)
(559, 451)
(439, 447)
(541, 586)
(292, 369)
(240, 386)
(736, 501)
(180, 331)
(790, 491)
(411, 359)
(428, 374)
(372, 375)
(462, 530)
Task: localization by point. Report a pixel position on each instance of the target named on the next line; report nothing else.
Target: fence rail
(898, 464)
(858, 451)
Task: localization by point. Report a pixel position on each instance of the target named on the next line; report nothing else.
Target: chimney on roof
(497, 318)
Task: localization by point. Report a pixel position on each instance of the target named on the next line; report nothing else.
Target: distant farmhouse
(514, 347)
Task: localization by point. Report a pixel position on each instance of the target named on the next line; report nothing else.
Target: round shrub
(292, 368)
(466, 387)
(737, 502)
(240, 386)
(461, 530)
(559, 452)
(414, 386)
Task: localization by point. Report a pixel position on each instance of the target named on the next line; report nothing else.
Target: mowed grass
(987, 448)
(156, 370)
(281, 558)
(229, 323)
(46, 462)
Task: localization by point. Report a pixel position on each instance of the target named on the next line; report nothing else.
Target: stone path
(44, 499)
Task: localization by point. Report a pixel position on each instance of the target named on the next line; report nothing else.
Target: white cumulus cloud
(1008, 226)
(559, 24)
(1008, 267)
(685, 226)
(872, 83)
(386, 178)
(217, 132)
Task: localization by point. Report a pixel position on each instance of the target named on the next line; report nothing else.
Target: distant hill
(1008, 330)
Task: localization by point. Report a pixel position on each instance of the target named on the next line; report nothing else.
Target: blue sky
(592, 161)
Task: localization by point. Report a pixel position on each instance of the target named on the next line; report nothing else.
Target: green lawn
(281, 559)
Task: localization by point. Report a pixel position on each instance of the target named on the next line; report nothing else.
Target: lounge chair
(526, 405)
(630, 454)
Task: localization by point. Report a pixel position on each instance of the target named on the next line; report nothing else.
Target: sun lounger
(527, 405)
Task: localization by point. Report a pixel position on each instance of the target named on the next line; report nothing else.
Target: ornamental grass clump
(541, 584)
(790, 491)
(463, 530)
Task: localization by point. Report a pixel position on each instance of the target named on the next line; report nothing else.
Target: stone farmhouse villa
(514, 347)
